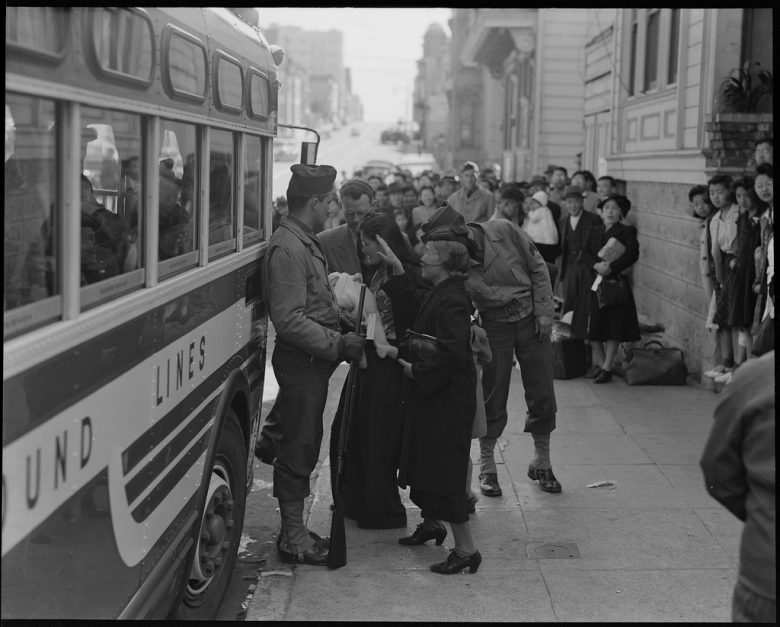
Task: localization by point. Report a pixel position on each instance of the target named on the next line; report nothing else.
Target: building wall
(666, 278)
(561, 68)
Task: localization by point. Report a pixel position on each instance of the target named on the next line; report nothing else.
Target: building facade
(653, 120)
(530, 69)
(431, 109)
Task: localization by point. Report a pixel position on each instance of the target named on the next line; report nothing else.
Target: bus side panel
(72, 556)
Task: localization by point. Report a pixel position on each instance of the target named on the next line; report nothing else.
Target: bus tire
(221, 525)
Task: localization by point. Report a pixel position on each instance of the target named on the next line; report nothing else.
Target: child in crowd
(723, 235)
(743, 304)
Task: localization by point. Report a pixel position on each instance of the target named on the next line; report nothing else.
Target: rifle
(337, 555)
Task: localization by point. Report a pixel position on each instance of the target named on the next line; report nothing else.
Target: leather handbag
(611, 292)
(418, 346)
(765, 338)
(654, 364)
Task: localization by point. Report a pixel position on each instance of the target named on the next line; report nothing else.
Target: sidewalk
(656, 547)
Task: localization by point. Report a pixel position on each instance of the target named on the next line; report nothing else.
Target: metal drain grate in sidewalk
(556, 550)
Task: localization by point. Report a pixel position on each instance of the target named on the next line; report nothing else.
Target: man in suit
(580, 243)
(342, 245)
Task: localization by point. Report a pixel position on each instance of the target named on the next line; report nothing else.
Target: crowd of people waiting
(472, 264)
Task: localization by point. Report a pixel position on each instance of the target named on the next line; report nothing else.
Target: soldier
(510, 285)
(309, 345)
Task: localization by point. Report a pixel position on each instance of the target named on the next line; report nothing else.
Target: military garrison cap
(444, 215)
(311, 180)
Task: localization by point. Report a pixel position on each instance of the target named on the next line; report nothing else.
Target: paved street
(655, 547)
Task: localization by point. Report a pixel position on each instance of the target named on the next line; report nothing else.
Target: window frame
(229, 245)
(635, 48)
(251, 72)
(43, 55)
(174, 266)
(95, 294)
(174, 92)
(116, 75)
(219, 57)
(29, 316)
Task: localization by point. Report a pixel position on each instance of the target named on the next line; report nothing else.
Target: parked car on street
(393, 135)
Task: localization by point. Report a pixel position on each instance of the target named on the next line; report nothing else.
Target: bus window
(183, 64)
(111, 211)
(123, 44)
(253, 199)
(258, 95)
(30, 216)
(40, 30)
(230, 83)
(221, 210)
(178, 198)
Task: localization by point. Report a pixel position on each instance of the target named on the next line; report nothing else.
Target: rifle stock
(337, 554)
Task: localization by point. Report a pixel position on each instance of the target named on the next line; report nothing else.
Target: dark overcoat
(579, 251)
(439, 403)
(612, 323)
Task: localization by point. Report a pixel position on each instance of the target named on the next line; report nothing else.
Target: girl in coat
(439, 394)
(748, 240)
(606, 328)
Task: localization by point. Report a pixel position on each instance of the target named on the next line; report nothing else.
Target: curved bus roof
(200, 60)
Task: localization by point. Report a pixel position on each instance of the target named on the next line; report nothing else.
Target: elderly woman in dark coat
(607, 327)
(439, 394)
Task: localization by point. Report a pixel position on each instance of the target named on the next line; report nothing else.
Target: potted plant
(742, 90)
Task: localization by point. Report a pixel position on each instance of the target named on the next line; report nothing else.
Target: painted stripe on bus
(171, 479)
(49, 464)
(155, 468)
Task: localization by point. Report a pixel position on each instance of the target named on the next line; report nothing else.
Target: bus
(133, 329)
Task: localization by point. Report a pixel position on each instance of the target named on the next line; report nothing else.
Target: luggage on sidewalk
(570, 355)
(654, 364)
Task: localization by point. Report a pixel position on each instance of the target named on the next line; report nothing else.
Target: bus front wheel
(221, 526)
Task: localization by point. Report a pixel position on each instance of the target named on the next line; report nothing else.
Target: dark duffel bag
(654, 364)
(570, 358)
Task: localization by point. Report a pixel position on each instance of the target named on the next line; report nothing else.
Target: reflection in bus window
(178, 171)
(36, 28)
(230, 84)
(29, 255)
(134, 56)
(186, 65)
(221, 223)
(111, 205)
(253, 173)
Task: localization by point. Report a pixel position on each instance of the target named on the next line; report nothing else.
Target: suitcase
(570, 358)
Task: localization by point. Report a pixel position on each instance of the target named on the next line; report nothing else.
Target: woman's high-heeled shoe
(454, 564)
(604, 376)
(423, 533)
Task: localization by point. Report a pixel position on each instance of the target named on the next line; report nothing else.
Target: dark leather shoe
(488, 484)
(423, 533)
(454, 564)
(316, 555)
(545, 477)
(604, 376)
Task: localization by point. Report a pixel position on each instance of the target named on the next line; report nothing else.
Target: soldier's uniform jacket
(512, 282)
(300, 301)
